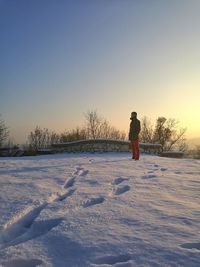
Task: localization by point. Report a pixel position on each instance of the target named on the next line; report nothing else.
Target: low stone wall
(104, 145)
(10, 151)
(172, 154)
(97, 145)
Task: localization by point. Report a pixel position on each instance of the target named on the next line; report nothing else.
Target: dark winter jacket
(134, 129)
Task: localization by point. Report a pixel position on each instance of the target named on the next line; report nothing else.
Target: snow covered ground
(99, 210)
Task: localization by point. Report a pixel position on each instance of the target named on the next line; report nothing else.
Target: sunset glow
(59, 60)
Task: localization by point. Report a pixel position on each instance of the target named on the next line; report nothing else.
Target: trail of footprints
(151, 173)
(25, 226)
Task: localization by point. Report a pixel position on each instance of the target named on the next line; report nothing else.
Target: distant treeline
(166, 132)
(95, 127)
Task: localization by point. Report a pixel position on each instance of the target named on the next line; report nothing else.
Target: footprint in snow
(156, 166)
(121, 189)
(20, 225)
(112, 260)
(163, 169)
(191, 246)
(92, 201)
(77, 170)
(60, 197)
(22, 263)
(92, 182)
(65, 195)
(81, 172)
(158, 169)
(69, 182)
(119, 180)
(150, 176)
(37, 229)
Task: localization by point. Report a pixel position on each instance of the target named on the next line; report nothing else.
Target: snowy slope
(99, 210)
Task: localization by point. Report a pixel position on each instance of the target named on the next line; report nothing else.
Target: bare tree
(108, 131)
(147, 131)
(52, 138)
(4, 132)
(42, 138)
(93, 124)
(98, 127)
(161, 133)
(73, 135)
(169, 135)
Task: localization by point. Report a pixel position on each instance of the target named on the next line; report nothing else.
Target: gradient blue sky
(59, 59)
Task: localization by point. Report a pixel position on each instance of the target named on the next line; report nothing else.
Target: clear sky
(59, 59)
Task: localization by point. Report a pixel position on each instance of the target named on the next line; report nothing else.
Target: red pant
(135, 149)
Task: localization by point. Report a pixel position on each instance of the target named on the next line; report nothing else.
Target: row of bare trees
(41, 138)
(95, 127)
(165, 132)
(98, 127)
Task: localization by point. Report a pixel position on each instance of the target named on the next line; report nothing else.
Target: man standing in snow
(134, 136)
